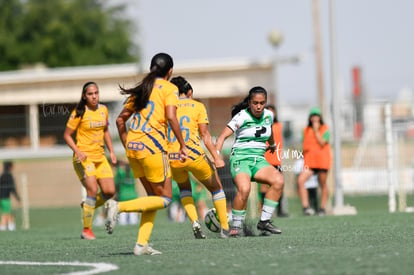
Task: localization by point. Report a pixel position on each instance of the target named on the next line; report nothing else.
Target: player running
(193, 119)
(152, 105)
(251, 123)
(90, 122)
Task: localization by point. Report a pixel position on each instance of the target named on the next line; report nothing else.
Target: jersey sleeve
(203, 117)
(171, 97)
(73, 122)
(235, 122)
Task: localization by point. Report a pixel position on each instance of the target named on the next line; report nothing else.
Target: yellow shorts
(155, 168)
(99, 168)
(201, 168)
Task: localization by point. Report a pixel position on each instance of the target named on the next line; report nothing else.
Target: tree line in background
(64, 33)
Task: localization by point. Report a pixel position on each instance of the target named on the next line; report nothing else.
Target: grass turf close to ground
(372, 242)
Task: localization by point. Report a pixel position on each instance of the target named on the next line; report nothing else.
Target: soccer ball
(211, 220)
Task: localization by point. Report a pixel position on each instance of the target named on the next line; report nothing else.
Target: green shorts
(248, 165)
(5, 205)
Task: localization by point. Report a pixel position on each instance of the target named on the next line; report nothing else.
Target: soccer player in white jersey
(252, 125)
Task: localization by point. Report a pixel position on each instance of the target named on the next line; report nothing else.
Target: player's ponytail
(160, 66)
(240, 106)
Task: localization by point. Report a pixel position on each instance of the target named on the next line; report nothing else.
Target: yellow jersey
(190, 114)
(147, 133)
(90, 130)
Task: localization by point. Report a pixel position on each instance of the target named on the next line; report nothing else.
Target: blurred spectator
(311, 184)
(125, 190)
(7, 187)
(200, 197)
(176, 211)
(317, 160)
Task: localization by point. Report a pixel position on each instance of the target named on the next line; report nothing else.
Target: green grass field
(372, 242)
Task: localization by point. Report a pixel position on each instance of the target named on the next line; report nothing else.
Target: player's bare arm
(121, 124)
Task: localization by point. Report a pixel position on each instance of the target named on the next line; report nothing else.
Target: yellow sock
(88, 211)
(146, 226)
(188, 204)
(143, 204)
(219, 201)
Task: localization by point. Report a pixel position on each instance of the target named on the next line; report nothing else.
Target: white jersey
(251, 133)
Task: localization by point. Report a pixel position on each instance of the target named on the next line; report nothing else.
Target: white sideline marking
(97, 267)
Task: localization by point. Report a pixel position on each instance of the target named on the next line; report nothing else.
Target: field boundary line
(97, 267)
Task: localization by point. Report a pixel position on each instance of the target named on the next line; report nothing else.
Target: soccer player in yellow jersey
(193, 119)
(152, 105)
(90, 122)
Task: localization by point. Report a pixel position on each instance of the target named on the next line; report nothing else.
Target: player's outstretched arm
(208, 142)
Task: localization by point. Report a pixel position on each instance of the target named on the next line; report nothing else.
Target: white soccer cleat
(308, 211)
(145, 250)
(112, 215)
(198, 232)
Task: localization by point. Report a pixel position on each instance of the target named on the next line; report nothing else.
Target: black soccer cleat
(267, 226)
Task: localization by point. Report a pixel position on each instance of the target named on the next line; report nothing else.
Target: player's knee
(244, 191)
(278, 182)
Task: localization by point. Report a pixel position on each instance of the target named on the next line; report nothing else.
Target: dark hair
(271, 106)
(183, 85)
(245, 102)
(7, 165)
(161, 64)
(310, 122)
(80, 107)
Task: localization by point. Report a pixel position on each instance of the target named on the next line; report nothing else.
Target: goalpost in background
(25, 203)
(399, 162)
(382, 162)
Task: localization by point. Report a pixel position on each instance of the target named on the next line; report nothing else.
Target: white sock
(238, 218)
(11, 226)
(268, 208)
